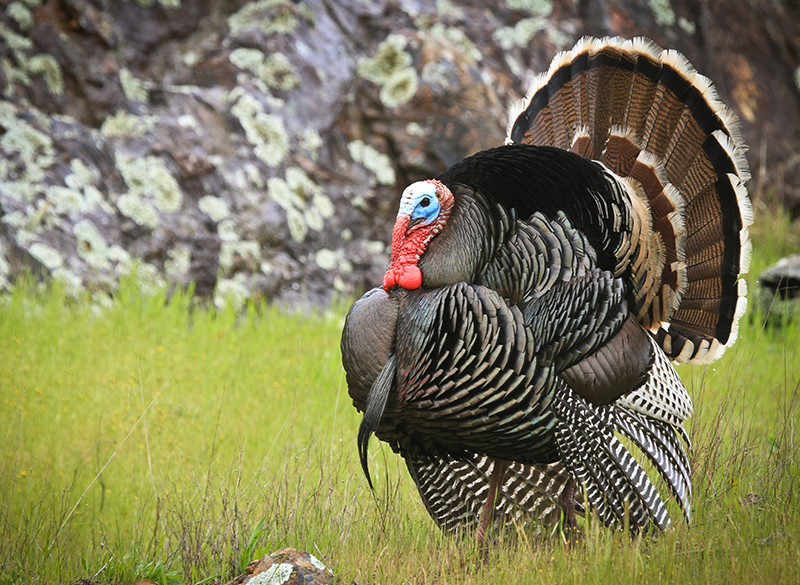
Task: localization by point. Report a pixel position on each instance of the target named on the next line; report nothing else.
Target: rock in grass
(286, 566)
(779, 296)
(783, 277)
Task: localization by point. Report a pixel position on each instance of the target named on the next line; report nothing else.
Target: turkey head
(424, 210)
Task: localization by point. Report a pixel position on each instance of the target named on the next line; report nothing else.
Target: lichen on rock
(266, 132)
(147, 177)
(305, 204)
(214, 207)
(270, 17)
(391, 68)
(47, 255)
(151, 188)
(274, 71)
(90, 245)
(133, 87)
(232, 292)
(376, 162)
(47, 66)
(124, 124)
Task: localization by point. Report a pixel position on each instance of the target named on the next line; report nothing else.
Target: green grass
(169, 441)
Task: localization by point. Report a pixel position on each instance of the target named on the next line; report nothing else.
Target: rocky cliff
(260, 148)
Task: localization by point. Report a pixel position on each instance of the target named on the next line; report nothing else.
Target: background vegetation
(174, 442)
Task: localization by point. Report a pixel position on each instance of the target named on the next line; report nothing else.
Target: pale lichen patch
(124, 124)
(82, 175)
(138, 210)
(14, 41)
(374, 247)
(662, 12)
(21, 13)
(5, 269)
(179, 261)
(275, 70)
(687, 26)
(270, 16)
(121, 257)
(149, 278)
(533, 7)
(298, 228)
(305, 204)
(390, 58)
(253, 175)
(71, 282)
(310, 141)
(521, 34)
(232, 292)
(46, 255)
(301, 184)
(234, 252)
(376, 162)
(133, 88)
(399, 88)
(47, 66)
(333, 260)
(170, 4)
(446, 7)
(30, 143)
(457, 38)
(391, 68)
(214, 207)
(65, 200)
(27, 154)
(13, 76)
(151, 182)
(226, 230)
(266, 132)
(91, 245)
(279, 191)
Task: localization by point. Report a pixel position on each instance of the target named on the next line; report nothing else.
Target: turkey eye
(425, 202)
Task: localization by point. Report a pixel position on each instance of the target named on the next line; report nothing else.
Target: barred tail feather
(659, 127)
(616, 485)
(660, 443)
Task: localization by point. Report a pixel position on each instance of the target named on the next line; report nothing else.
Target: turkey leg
(498, 473)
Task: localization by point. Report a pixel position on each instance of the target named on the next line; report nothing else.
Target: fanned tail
(660, 129)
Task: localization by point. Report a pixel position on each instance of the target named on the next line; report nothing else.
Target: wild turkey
(538, 292)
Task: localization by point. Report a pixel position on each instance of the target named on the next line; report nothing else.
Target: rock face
(259, 148)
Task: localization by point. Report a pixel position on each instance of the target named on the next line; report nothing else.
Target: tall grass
(165, 440)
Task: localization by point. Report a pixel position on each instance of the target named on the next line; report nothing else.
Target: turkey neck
(468, 242)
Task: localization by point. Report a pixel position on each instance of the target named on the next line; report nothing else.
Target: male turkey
(538, 292)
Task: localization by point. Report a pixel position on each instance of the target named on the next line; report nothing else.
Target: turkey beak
(414, 222)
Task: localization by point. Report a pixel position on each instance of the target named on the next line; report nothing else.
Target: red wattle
(407, 247)
(411, 277)
(389, 280)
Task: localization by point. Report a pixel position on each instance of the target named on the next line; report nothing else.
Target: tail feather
(660, 128)
(615, 483)
(663, 397)
(660, 444)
